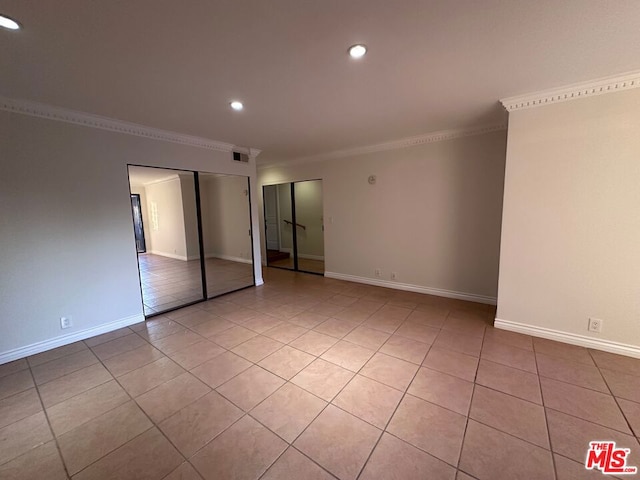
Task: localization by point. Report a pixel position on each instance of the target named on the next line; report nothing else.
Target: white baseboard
(229, 257)
(62, 340)
(572, 338)
(311, 257)
(414, 288)
(171, 255)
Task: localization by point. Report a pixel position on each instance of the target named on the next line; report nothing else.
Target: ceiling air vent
(240, 157)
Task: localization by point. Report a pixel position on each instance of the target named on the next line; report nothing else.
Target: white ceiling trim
(432, 137)
(591, 88)
(35, 109)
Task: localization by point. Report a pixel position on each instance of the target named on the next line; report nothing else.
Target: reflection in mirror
(226, 231)
(310, 228)
(165, 223)
(278, 225)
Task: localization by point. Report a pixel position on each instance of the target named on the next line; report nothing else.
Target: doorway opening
(294, 226)
(196, 240)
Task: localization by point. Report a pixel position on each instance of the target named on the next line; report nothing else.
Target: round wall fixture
(372, 179)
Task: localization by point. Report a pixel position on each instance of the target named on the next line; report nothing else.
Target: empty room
(353, 240)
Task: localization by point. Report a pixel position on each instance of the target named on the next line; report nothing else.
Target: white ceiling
(432, 64)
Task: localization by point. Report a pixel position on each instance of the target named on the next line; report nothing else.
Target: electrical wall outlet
(394, 275)
(66, 322)
(595, 325)
(378, 272)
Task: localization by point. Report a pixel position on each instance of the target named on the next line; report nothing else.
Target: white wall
(225, 217)
(66, 230)
(309, 213)
(433, 216)
(190, 216)
(169, 238)
(571, 224)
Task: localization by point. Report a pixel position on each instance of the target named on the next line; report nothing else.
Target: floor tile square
(15, 383)
(453, 363)
(405, 349)
(308, 319)
(458, 342)
(91, 441)
(570, 436)
(220, 369)
(62, 388)
(22, 436)
(46, 372)
(120, 345)
(250, 387)
(339, 442)
(335, 328)
(287, 362)
(257, 348)
(145, 378)
(293, 465)
(194, 426)
(587, 376)
(288, 411)
(509, 414)
(418, 332)
(233, 337)
(169, 397)
(509, 457)
(348, 355)
(149, 455)
(285, 332)
(562, 350)
(587, 404)
(389, 370)
(82, 408)
(442, 389)
(509, 380)
(510, 356)
(132, 360)
(623, 385)
(323, 379)
(243, 452)
(19, 406)
(314, 343)
(369, 400)
(177, 341)
(395, 459)
(196, 354)
(30, 465)
(429, 427)
(367, 337)
(631, 411)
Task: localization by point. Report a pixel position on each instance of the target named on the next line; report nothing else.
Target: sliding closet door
(170, 270)
(309, 226)
(226, 232)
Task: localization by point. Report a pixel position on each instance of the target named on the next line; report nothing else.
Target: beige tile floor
(312, 378)
(169, 283)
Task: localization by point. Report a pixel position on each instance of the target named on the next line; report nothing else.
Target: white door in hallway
(271, 216)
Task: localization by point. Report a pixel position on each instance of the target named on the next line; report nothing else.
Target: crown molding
(50, 112)
(432, 137)
(616, 83)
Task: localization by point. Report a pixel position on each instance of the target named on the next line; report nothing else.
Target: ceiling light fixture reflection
(357, 51)
(8, 23)
(236, 105)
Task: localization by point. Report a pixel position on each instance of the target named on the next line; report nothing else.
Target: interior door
(271, 217)
(138, 227)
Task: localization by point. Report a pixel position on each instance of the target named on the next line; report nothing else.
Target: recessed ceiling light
(357, 51)
(237, 106)
(8, 23)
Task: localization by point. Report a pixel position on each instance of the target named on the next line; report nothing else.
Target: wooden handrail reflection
(297, 224)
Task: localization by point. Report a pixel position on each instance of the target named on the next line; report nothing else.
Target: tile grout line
(46, 416)
(546, 418)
